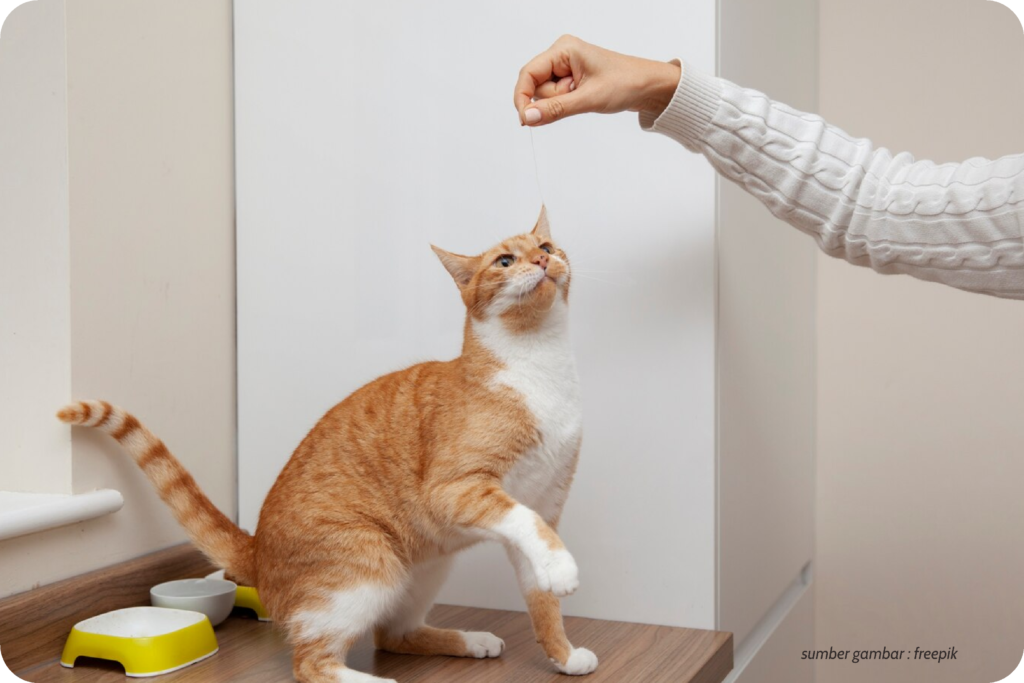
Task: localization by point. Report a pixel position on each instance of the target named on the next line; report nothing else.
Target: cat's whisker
(487, 285)
(628, 282)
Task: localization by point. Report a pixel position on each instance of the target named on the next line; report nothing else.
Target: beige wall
(921, 388)
(35, 331)
(152, 265)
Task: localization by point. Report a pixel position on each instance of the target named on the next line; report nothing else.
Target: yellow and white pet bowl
(147, 641)
(246, 597)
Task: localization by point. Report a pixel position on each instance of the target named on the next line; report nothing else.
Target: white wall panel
(366, 131)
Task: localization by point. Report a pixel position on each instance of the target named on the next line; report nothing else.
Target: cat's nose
(541, 260)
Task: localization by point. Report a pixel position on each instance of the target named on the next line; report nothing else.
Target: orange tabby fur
(389, 483)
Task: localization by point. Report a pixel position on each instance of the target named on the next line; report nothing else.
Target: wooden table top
(254, 652)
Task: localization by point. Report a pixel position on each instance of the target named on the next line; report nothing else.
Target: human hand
(574, 77)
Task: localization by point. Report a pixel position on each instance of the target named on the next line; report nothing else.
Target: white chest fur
(540, 367)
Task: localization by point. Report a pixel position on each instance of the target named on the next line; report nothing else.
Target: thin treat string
(536, 168)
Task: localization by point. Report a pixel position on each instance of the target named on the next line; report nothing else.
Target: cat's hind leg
(348, 584)
(406, 631)
(323, 632)
(322, 661)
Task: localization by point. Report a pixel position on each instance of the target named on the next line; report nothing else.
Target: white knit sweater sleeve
(958, 224)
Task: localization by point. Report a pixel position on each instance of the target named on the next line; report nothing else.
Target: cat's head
(520, 279)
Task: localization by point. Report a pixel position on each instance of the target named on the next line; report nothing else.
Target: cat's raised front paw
(581, 662)
(483, 645)
(559, 574)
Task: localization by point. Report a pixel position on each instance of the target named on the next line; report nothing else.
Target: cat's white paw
(483, 645)
(580, 663)
(559, 574)
(352, 676)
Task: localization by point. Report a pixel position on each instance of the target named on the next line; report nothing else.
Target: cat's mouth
(545, 278)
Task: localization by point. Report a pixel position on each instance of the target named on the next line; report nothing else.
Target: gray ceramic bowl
(212, 597)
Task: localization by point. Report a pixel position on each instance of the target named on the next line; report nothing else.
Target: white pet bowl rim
(225, 587)
(107, 624)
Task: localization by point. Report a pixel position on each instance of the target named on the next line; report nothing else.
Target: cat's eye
(506, 260)
(546, 247)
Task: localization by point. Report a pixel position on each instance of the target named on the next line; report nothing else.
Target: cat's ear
(542, 229)
(461, 268)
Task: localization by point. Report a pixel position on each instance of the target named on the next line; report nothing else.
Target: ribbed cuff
(693, 105)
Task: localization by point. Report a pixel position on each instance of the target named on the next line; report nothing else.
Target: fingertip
(522, 102)
(532, 115)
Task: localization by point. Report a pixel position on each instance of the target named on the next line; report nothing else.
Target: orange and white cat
(360, 529)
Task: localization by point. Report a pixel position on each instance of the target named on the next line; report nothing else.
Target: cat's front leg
(554, 569)
(482, 504)
(546, 617)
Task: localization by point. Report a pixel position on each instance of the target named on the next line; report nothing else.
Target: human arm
(958, 224)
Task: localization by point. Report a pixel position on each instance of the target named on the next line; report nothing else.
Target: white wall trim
(27, 513)
(763, 630)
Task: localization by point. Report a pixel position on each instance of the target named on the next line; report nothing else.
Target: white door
(367, 131)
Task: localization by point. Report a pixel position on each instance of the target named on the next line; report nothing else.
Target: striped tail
(210, 530)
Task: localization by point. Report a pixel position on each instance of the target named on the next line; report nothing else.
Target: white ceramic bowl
(212, 597)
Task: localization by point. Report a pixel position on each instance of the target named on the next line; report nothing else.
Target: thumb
(551, 109)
